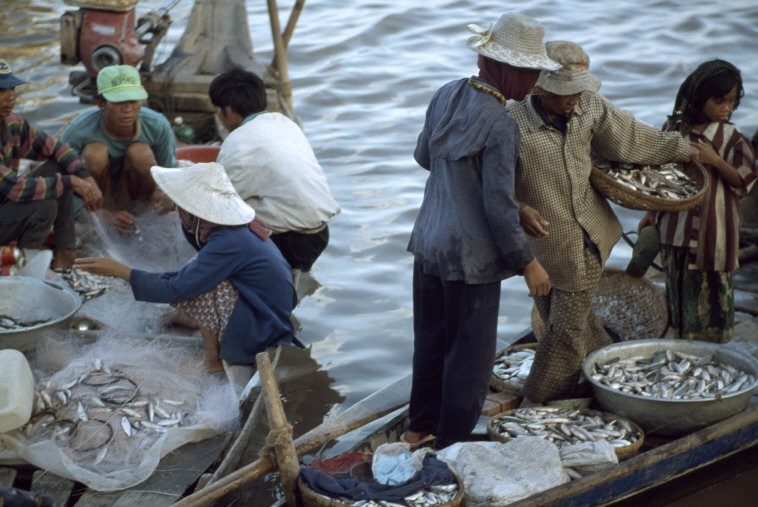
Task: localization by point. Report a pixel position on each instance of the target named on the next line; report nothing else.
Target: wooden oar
(369, 409)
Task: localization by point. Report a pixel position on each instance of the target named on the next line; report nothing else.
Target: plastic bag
(394, 464)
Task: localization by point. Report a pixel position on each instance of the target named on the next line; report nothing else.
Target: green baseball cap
(120, 83)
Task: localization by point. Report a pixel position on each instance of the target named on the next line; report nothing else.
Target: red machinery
(106, 32)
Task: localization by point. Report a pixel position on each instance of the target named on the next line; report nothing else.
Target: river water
(363, 72)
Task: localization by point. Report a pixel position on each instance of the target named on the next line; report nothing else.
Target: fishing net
(106, 412)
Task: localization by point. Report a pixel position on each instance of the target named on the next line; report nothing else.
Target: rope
(276, 439)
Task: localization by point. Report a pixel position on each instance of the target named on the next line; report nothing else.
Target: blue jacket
(468, 226)
(256, 268)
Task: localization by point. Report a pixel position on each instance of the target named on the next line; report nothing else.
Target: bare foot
(211, 365)
(526, 403)
(414, 437)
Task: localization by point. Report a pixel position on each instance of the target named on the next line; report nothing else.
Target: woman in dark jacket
(238, 288)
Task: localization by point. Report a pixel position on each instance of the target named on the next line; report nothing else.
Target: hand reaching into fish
(103, 266)
(532, 221)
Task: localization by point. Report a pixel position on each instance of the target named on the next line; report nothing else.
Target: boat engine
(107, 32)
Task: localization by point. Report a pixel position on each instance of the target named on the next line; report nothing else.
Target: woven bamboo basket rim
(622, 453)
(312, 498)
(632, 307)
(632, 199)
(501, 385)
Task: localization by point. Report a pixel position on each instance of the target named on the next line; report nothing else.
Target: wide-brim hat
(7, 79)
(204, 190)
(516, 39)
(574, 75)
(120, 83)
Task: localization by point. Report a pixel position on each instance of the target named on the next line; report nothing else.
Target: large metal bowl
(30, 299)
(664, 416)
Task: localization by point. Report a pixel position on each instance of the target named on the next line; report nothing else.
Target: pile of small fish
(95, 409)
(87, 285)
(12, 324)
(432, 495)
(564, 426)
(513, 367)
(667, 181)
(672, 375)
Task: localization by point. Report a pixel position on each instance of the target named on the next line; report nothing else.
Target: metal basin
(664, 416)
(28, 299)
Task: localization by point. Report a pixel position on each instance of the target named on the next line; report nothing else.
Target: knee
(139, 157)
(96, 158)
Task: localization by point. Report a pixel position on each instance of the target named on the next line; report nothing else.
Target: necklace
(488, 89)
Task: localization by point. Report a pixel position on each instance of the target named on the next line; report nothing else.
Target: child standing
(700, 247)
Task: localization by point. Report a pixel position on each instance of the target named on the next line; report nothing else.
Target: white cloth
(273, 168)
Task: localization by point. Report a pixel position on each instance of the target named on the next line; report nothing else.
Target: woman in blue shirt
(238, 288)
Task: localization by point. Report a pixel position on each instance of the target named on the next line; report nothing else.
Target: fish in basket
(566, 426)
(670, 187)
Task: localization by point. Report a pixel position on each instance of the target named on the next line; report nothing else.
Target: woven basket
(632, 199)
(500, 385)
(311, 498)
(622, 453)
(632, 307)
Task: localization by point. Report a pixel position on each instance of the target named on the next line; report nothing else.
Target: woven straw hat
(516, 39)
(204, 190)
(574, 75)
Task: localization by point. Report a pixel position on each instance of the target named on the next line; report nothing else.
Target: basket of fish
(439, 495)
(511, 368)
(671, 187)
(29, 307)
(566, 426)
(671, 387)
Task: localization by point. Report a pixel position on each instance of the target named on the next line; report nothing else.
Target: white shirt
(273, 168)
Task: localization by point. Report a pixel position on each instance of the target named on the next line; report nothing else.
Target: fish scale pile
(672, 375)
(99, 409)
(433, 495)
(667, 181)
(564, 426)
(513, 367)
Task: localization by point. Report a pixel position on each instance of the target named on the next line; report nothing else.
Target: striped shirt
(19, 140)
(711, 230)
(553, 177)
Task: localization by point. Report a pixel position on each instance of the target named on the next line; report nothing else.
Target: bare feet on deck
(416, 438)
(211, 365)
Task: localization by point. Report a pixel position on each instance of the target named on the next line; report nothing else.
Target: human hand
(648, 219)
(706, 153)
(694, 154)
(124, 222)
(104, 267)
(532, 221)
(537, 279)
(161, 203)
(87, 189)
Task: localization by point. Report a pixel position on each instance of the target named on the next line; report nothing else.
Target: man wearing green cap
(32, 203)
(120, 141)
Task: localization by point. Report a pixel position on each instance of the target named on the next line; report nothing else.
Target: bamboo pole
(286, 456)
(292, 21)
(280, 53)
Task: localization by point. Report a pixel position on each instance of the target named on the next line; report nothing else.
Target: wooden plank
(175, 473)
(55, 487)
(656, 466)
(7, 477)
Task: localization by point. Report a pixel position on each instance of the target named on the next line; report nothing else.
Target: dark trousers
(301, 250)
(455, 328)
(28, 223)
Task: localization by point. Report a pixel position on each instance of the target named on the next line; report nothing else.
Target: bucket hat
(7, 79)
(574, 75)
(120, 83)
(516, 39)
(204, 190)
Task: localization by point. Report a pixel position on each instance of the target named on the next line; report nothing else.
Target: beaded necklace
(488, 89)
